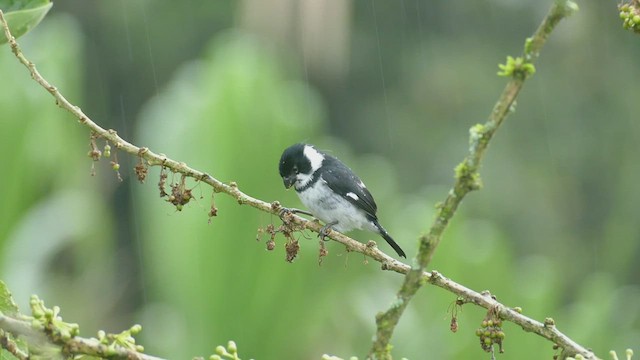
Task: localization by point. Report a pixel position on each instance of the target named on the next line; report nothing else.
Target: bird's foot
(284, 210)
(325, 230)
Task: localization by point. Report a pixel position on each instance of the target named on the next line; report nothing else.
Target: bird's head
(298, 164)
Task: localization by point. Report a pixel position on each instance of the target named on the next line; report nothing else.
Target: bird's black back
(343, 180)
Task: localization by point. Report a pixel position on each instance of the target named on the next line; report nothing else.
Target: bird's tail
(389, 239)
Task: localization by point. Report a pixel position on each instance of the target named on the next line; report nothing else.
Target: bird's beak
(288, 180)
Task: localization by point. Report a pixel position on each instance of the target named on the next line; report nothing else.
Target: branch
(7, 343)
(89, 346)
(74, 346)
(467, 177)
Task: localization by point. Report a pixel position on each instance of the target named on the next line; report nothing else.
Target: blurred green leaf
(7, 305)
(15, 5)
(237, 111)
(48, 227)
(23, 16)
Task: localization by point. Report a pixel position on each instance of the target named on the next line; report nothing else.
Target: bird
(331, 191)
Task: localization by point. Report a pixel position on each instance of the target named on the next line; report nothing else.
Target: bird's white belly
(330, 207)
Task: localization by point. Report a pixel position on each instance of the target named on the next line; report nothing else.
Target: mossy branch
(54, 348)
(467, 177)
(47, 336)
(466, 180)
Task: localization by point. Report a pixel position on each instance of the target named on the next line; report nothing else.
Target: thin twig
(467, 180)
(88, 346)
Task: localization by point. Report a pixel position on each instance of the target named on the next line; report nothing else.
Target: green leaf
(23, 15)
(7, 306)
(16, 5)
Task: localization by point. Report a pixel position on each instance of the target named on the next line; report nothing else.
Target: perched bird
(331, 191)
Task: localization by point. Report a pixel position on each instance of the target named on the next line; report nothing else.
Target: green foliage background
(554, 230)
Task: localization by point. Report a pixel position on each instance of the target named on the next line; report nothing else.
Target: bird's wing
(344, 182)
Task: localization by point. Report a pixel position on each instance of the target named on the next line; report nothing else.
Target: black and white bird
(331, 191)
